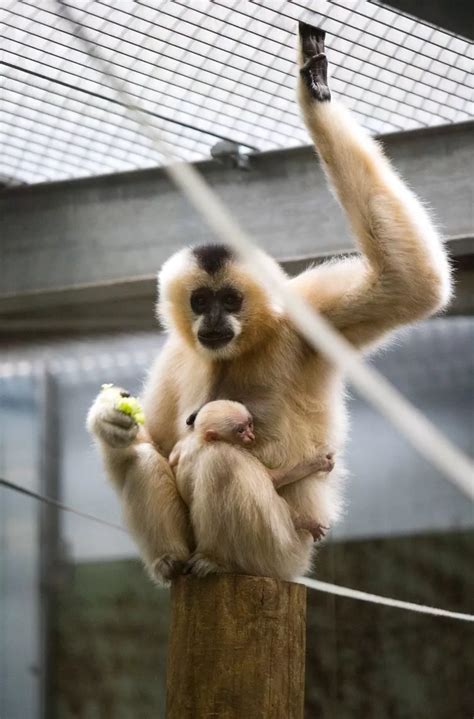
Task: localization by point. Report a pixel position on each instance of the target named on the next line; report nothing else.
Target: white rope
(385, 601)
(310, 583)
(58, 505)
(410, 422)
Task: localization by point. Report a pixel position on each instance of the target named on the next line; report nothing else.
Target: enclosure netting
(206, 72)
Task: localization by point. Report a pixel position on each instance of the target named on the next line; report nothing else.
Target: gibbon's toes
(201, 566)
(166, 568)
(318, 531)
(311, 39)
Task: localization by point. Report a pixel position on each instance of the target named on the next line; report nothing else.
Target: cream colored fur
(295, 396)
(229, 491)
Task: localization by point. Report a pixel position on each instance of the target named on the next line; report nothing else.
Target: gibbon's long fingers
(312, 40)
(115, 417)
(315, 69)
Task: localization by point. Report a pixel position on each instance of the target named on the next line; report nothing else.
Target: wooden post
(236, 648)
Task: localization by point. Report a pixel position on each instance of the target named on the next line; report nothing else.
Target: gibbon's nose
(248, 436)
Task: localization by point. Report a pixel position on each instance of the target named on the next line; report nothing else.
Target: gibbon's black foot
(315, 69)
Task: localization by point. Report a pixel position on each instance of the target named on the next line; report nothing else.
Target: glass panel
(407, 533)
(21, 659)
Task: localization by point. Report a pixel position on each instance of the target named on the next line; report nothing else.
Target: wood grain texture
(236, 648)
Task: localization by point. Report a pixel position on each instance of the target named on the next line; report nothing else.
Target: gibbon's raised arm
(403, 274)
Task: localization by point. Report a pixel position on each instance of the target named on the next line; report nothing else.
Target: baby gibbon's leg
(317, 531)
(322, 463)
(240, 522)
(154, 512)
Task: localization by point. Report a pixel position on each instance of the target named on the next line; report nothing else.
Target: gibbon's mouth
(214, 340)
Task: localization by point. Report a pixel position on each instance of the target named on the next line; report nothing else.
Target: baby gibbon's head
(225, 421)
(211, 299)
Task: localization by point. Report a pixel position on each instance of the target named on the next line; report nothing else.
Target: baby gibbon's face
(242, 430)
(225, 421)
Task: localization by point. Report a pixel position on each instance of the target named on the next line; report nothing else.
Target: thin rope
(385, 601)
(411, 423)
(58, 505)
(334, 589)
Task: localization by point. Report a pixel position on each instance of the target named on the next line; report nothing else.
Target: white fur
(178, 264)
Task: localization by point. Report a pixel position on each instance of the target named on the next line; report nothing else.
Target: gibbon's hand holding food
(124, 402)
(159, 519)
(228, 340)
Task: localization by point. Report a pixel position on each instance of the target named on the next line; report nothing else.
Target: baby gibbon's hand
(115, 428)
(321, 463)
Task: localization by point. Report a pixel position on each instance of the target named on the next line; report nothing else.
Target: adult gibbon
(228, 340)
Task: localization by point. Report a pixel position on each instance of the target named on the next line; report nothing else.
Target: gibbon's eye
(231, 300)
(201, 300)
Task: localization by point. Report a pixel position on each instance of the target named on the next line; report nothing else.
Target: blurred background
(88, 216)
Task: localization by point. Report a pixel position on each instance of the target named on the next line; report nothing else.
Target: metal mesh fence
(206, 72)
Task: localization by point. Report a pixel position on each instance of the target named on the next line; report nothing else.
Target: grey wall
(103, 230)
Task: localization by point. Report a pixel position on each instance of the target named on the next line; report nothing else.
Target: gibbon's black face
(216, 310)
(215, 305)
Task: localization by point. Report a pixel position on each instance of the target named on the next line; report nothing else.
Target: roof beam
(455, 17)
(101, 239)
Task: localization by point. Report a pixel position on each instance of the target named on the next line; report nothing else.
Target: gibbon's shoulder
(323, 285)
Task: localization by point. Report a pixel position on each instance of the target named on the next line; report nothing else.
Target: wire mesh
(205, 72)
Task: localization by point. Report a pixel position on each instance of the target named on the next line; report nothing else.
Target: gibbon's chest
(287, 396)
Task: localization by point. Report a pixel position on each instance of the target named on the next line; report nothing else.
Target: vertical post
(236, 648)
(49, 450)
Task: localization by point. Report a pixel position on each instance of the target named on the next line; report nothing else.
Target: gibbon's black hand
(315, 69)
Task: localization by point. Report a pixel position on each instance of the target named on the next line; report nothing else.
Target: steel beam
(71, 245)
(455, 17)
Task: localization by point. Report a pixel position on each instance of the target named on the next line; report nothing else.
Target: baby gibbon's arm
(403, 274)
(321, 463)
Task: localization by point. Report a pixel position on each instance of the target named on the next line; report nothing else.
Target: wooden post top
(236, 648)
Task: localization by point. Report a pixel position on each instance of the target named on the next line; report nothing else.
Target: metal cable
(316, 584)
